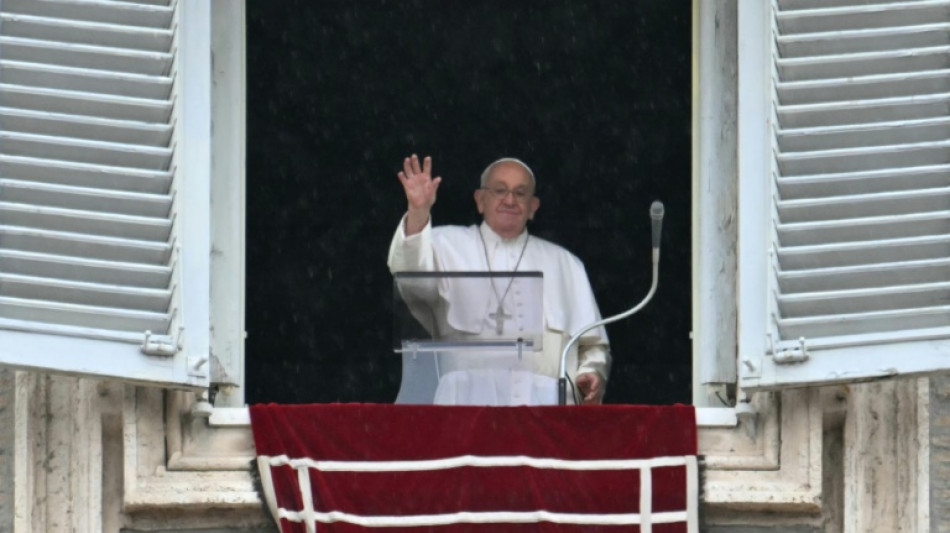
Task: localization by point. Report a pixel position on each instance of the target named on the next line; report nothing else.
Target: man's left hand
(591, 386)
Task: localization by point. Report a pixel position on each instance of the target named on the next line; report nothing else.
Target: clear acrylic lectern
(468, 337)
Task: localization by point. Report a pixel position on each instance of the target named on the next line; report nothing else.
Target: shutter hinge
(791, 355)
(161, 345)
(196, 366)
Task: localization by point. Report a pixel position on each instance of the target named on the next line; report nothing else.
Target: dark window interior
(594, 95)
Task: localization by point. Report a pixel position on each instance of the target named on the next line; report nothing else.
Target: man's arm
(592, 372)
(593, 350)
(411, 252)
(411, 247)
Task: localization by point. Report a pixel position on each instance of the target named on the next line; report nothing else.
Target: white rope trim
(267, 484)
(646, 518)
(495, 517)
(476, 461)
(646, 500)
(308, 516)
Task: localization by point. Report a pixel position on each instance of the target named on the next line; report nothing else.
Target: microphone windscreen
(656, 222)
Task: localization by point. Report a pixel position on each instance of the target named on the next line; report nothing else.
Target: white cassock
(569, 305)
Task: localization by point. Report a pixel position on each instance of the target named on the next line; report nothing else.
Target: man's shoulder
(453, 236)
(555, 250)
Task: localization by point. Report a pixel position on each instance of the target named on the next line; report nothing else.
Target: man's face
(507, 201)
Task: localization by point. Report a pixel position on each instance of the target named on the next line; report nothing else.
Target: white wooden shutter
(852, 194)
(104, 177)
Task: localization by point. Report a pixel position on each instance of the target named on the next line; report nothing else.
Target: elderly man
(507, 202)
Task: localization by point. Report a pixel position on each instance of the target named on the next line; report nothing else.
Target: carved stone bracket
(776, 468)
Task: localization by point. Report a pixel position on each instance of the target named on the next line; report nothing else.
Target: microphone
(656, 215)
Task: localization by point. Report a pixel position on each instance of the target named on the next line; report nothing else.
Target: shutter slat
(849, 17)
(864, 300)
(85, 246)
(130, 14)
(83, 151)
(90, 33)
(129, 337)
(864, 229)
(863, 40)
(864, 205)
(864, 64)
(872, 181)
(867, 326)
(90, 104)
(92, 222)
(85, 56)
(851, 89)
(864, 111)
(928, 130)
(85, 175)
(85, 269)
(89, 128)
(864, 158)
(149, 2)
(82, 198)
(869, 252)
(863, 276)
(86, 316)
(788, 6)
(84, 293)
(84, 80)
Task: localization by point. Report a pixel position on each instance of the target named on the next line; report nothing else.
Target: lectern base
(495, 387)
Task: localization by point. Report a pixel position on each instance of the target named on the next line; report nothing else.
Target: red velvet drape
(369, 455)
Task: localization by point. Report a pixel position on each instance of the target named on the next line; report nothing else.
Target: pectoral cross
(500, 316)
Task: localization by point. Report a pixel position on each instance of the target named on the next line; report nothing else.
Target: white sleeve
(594, 358)
(412, 253)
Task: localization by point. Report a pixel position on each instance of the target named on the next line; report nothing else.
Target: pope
(506, 201)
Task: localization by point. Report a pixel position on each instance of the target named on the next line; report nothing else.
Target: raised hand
(420, 189)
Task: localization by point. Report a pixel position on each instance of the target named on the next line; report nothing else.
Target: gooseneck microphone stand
(656, 216)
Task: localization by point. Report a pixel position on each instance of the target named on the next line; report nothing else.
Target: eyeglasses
(498, 193)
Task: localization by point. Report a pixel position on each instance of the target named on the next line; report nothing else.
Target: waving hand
(420, 189)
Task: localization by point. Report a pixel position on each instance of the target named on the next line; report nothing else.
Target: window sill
(770, 460)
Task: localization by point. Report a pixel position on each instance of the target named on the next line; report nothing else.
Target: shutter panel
(859, 230)
(93, 192)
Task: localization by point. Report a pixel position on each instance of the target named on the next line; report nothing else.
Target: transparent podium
(470, 338)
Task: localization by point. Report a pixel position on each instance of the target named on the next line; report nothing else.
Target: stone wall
(940, 454)
(886, 462)
(6, 450)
